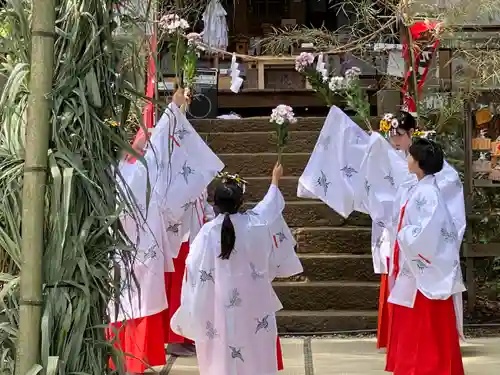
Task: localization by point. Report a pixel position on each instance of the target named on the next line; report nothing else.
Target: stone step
(330, 267)
(316, 213)
(262, 124)
(327, 321)
(258, 142)
(254, 124)
(327, 295)
(333, 240)
(261, 165)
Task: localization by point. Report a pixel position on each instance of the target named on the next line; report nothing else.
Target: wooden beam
(483, 250)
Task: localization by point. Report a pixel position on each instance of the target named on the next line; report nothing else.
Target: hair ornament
(388, 124)
(423, 133)
(226, 177)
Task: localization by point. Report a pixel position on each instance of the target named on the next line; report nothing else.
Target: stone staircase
(338, 290)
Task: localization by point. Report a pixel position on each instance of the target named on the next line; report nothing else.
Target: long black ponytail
(228, 198)
(227, 237)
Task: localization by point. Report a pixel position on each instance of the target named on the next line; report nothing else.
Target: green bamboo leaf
(93, 89)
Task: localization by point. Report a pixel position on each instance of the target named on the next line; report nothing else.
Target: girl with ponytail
(228, 304)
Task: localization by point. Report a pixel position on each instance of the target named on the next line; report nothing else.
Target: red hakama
(141, 340)
(173, 286)
(383, 313)
(423, 340)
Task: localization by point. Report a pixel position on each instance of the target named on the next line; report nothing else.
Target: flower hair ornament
(388, 125)
(226, 177)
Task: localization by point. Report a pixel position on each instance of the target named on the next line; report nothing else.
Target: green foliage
(94, 75)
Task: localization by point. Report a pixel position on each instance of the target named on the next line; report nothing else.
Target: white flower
(173, 23)
(281, 114)
(352, 74)
(388, 117)
(337, 83)
(394, 123)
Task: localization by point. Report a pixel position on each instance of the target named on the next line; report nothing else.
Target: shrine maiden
(425, 263)
(197, 213)
(228, 304)
(177, 168)
(336, 161)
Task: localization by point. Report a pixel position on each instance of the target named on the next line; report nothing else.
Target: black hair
(428, 154)
(407, 121)
(228, 198)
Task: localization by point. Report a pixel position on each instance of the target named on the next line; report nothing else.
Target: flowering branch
(282, 116)
(348, 86)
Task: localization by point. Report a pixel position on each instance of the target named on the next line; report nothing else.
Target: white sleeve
(283, 260)
(269, 209)
(332, 172)
(452, 192)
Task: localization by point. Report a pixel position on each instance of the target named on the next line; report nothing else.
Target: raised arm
(269, 209)
(384, 172)
(179, 163)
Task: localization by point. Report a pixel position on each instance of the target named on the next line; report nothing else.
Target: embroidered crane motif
(421, 265)
(323, 182)
(211, 331)
(188, 205)
(262, 324)
(448, 236)
(325, 142)
(379, 242)
(405, 271)
(151, 253)
(186, 171)
(348, 171)
(420, 202)
(236, 353)
(367, 186)
(255, 274)
(181, 133)
(381, 224)
(416, 231)
(390, 179)
(173, 228)
(280, 236)
(251, 213)
(206, 276)
(234, 300)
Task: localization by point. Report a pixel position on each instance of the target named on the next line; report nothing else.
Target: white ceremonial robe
(343, 143)
(228, 306)
(386, 183)
(179, 166)
(429, 259)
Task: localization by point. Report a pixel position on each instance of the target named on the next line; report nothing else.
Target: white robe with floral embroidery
(179, 166)
(228, 306)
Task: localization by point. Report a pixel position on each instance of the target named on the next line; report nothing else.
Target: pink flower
(303, 60)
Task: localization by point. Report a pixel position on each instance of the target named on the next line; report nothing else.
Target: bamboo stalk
(35, 174)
